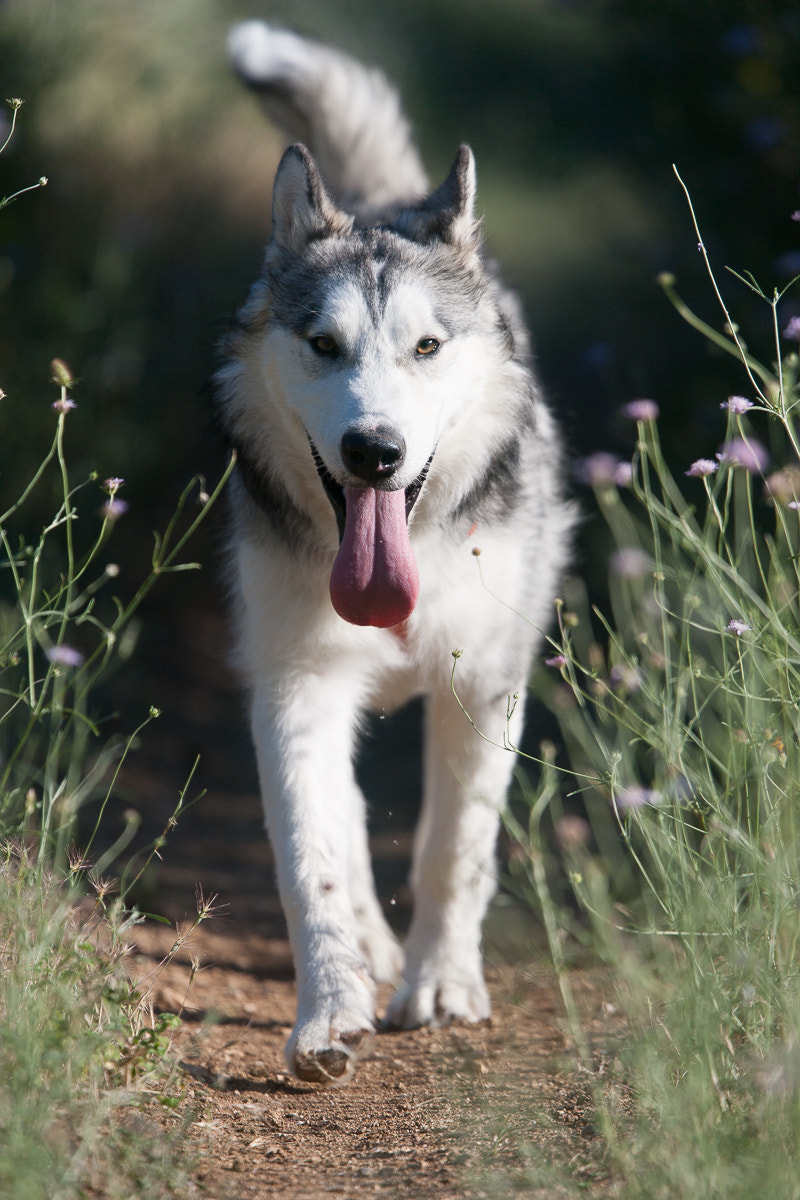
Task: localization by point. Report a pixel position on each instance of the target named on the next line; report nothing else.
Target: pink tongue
(374, 580)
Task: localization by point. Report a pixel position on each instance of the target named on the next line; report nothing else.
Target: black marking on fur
(273, 499)
(496, 494)
(333, 490)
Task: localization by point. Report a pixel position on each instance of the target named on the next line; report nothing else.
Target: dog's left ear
(449, 212)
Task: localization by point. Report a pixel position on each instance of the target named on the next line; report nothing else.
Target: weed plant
(678, 816)
(58, 640)
(82, 1056)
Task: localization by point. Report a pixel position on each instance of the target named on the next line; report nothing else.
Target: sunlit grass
(677, 811)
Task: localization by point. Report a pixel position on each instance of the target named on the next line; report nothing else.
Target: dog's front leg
(303, 729)
(454, 871)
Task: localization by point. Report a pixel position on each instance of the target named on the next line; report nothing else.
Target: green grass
(85, 1073)
(82, 1063)
(678, 809)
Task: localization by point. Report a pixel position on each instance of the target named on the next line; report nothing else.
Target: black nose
(372, 455)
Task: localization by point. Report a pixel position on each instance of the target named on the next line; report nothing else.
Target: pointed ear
(302, 210)
(449, 212)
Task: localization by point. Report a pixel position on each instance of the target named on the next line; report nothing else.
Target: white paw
(434, 999)
(324, 1047)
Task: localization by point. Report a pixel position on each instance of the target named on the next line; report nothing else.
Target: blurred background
(152, 226)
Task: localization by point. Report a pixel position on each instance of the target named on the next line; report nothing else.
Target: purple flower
(598, 470)
(630, 563)
(64, 656)
(114, 508)
(702, 467)
(746, 453)
(112, 485)
(737, 404)
(738, 627)
(557, 660)
(603, 470)
(641, 410)
(64, 404)
(792, 330)
(636, 797)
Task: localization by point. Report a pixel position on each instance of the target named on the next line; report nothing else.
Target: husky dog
(388, 428)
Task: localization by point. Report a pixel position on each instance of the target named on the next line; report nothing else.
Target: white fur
(312, 676)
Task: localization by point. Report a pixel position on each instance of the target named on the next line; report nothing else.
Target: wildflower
(114, 508)
(702, 467)
(603, 470)
(738, 627)
(737, 405)
(746, 453)
(64, 404)
(112, 485)
(641, 410)
(783, 487)
(64, 656)
(629, 563)
(557, 660)
(636, 797)
(792, 330)
(796, 215)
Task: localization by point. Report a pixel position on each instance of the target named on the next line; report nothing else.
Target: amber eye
(427, 345)
(322, 344)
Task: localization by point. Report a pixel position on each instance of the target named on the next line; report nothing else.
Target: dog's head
(373, 342)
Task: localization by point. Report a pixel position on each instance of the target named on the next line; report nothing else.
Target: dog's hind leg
(381, 948)
(304, 732)
(454, 871)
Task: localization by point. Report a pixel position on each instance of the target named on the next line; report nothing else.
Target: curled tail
(347, 114)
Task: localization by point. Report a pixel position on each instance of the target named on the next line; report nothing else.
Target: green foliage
(58, 640)
(74, 1037)
(679, 713)
(81, 1054)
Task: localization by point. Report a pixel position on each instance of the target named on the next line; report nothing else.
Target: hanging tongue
(374, 580)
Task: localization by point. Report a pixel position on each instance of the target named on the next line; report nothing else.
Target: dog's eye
(427, 345)
(322, 344)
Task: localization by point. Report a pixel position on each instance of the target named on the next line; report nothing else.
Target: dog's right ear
(302, 210)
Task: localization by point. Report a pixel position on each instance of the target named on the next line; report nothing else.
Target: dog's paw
(429, 1000)
(326, 1048)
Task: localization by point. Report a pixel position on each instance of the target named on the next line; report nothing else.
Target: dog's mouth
(374, 580)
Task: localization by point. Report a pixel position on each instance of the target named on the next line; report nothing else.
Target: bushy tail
(347, 114)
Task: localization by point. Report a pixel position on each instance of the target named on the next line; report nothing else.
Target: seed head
(60, 373)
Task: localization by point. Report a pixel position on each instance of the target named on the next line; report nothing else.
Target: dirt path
(431, 1113)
